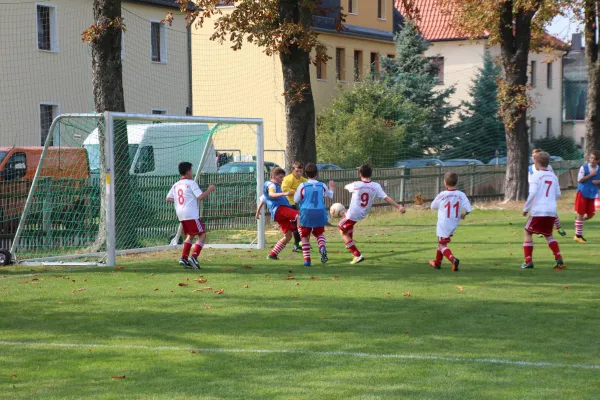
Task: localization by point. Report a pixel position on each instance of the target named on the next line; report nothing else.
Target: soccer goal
(100, 186)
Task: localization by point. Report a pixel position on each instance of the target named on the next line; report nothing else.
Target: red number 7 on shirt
(549, 183)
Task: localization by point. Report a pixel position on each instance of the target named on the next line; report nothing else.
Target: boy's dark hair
(542, 158)
(297, 164)
(596, 154)
(365, 170)
(311, 170)
(451, 178)
(184, 167)
(277, 171)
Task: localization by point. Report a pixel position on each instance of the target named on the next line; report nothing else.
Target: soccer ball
(337, 210)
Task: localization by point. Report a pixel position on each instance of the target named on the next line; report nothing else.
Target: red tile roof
(435, 22)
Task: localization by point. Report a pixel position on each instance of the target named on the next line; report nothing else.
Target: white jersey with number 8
(185, 195)
(364, 194)
(449, 204)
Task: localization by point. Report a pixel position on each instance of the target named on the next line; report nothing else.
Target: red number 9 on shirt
(364, 199)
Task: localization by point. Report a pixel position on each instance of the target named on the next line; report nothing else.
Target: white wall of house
(61, 76)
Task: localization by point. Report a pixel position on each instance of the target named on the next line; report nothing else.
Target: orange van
(17, 169)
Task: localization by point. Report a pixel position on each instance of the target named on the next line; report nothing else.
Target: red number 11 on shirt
(449, 206)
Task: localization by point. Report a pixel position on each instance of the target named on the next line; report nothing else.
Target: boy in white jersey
(185, 195)
(364, 193)
(544, 190)
(450, 205)
(533, 169)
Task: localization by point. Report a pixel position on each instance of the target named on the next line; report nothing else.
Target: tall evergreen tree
(415, 78)
(480, 132)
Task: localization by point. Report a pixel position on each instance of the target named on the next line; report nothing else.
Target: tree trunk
(592, 115)
(515, 53)
(107, 81)
(299, 103)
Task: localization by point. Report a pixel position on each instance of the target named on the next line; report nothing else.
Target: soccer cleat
(185, 263)
(307, 263)
(579, 239)
(559, 265)
(435, 265)
(527, 265)
(324, 257)
(561, 232)
(270, 257)
(194, 262)
(455, 264)
(357, 260)
(296, 248)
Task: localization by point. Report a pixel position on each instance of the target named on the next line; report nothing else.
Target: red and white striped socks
(306, 251)
(321, 241)
(557, 222)
(187, 246)
(197, 249)
(277, 248)
(553, 244)
(352, 249)
(447, 253)
(578, 228)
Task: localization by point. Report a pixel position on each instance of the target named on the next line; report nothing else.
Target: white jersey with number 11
(449, 204)
(363, 196)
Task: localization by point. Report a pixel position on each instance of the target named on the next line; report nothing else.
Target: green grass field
(389, 328)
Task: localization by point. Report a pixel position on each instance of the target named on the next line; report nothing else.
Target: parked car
(244, 166)
(502, 160)
(556, 158)
(328, 167)
(461, 161)
(419, 162)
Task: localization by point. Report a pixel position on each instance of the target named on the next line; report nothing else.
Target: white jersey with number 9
(364, 194)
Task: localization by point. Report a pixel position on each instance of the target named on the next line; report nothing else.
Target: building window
(321, 70)
(352, 7)
(549, 75)
(392, 56)
(340, 64)
(358, 63)
(158, 111)
(47, 114)
(548, 127)
(381, 9)
(225, 3)
(158, 42)
(531, 129)
(533, 73)
(47, 33)
(438, 65)
(374, 66)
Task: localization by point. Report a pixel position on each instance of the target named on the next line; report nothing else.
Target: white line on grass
(310, 353)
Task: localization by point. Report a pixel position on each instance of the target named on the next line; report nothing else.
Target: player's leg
(558, 227)
(553, 244)
(305, 238)
(187, 245)
(582, 209)
(319, 234)
(446, 252)
(346, 228)
(297, 237)
(528, 248)
(284, 217)
(198, 246)
(439, 256)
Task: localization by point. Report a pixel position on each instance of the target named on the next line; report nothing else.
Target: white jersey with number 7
(364, 194)
(544, 190)
(449, 204)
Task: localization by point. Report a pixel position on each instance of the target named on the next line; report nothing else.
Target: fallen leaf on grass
(85, 280)
(297, 283)
(293, 297)
(13, 375)
(25, 281)
(226, 269)
(60, 302)
(182, 284)
(290, 271)
(187, 279)
(155, 289)
(567, 287)
(267, 276)
(321, 317)
(460, 288)
(406, 294)
(81, 289)
(119, 377)
(119, 267)
(35, 279)
(219, 291)
(315, 278)
(200, 280)
(247, 267)
(207, 307)
(335, 277)
(387, 293)
(195, 351)
(245, 286)
(151, 274)
(3, 276)
(289, 278)
(118, 288)
(73, 280)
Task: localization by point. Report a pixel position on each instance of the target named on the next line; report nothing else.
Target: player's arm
(392, 203)
(529, 203)
(435, 204)
(329, 190)
(171, 196)
(206, 193)
(298, 194)
(581, 177)
(286, 185)
(466, 207)
(261, 204)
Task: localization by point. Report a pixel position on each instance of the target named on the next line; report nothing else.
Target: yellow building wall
(30, 76)
(366, 14)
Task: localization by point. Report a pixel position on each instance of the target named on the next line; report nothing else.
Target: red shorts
(305, 232)
(540, 225)
(584, 205)
(192, 227)
(285, 217)
(346, 225)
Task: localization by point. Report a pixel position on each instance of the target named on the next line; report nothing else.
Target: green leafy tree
(369, 123)
(480, 132)
(415, 77)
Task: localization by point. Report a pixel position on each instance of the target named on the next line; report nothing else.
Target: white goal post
(76, 213)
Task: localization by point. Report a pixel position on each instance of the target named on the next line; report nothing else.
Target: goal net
(101, 183)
